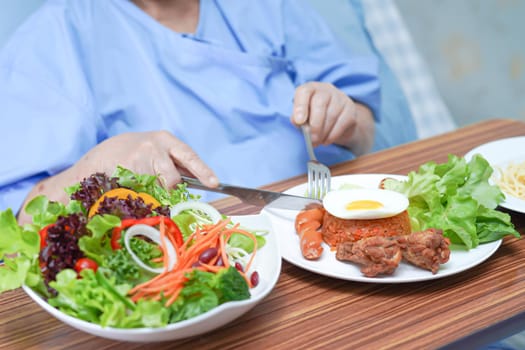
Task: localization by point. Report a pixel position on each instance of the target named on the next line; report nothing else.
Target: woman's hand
(333, 117)
(156, 152)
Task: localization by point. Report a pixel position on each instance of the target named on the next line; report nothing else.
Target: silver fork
(319, 175)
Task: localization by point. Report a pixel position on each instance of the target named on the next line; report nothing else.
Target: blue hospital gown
(78, 72)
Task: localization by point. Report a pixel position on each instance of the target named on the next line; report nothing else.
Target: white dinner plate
(499, 154)
(283, 224)
(267, 263)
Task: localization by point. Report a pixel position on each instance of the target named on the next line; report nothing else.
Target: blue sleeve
(347, 20)
(43, 133)
(47, 118)
(318, 55)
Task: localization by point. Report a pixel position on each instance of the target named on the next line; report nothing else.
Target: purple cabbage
(134, 208)
(61, 250)
(93, 187)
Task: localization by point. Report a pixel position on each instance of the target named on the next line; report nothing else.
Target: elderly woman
(211, 88)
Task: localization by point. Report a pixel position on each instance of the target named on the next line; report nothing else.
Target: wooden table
(310, 311)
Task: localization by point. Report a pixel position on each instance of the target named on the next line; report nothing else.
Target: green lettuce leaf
(15, 239)
(185, 223)
(45, 212)
(98, 245)
(204, 291)
(104, 303)
(14, 273)
(456, 197)
(150, 184)
(239, 240)
(19, 248)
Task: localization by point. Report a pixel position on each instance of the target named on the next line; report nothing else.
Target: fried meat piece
(376, 255)
(426, 249)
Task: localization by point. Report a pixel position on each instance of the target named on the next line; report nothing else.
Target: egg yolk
(363, 205)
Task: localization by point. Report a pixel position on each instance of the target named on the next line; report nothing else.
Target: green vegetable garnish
(204, 291)
(456, 197)
(102, 289)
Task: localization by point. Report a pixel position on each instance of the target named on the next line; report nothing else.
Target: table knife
(254, 196)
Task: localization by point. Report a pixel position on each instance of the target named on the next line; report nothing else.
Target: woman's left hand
(333, 117)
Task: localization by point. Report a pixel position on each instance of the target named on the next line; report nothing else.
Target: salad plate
(283, 220)
(267, 263)
(500, 154)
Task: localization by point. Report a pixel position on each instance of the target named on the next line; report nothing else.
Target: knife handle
(194, 183)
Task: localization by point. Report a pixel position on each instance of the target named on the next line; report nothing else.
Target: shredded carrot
(162, 229)
(164, 234)
(226, 237)
(212, 268)
(169, 283)
(224, 256)
(252, 237)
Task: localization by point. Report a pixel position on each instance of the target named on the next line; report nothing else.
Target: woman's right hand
(154, 152)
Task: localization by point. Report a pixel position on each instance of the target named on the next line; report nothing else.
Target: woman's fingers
(343, 127)
(319, 118)
(301, 103)
(180, 158)
(188, 161)
(330, 113)
(154, 152)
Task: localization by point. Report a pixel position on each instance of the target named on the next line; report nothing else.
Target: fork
(319, 175)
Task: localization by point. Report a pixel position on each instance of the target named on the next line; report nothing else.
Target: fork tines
(318, 174)
(318, 180)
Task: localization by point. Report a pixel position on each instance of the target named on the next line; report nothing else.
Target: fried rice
(336, 230)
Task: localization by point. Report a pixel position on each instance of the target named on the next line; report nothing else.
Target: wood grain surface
(310, 311)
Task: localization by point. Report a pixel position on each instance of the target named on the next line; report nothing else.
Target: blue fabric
(81, 71)
(13, 14)
(347, 20)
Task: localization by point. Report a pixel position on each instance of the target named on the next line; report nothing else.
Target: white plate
(267, 263)
(283, 224)
(499, 154)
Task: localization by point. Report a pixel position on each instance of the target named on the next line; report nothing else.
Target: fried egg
(364, 203)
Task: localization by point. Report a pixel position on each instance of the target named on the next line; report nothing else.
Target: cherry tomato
(85, 263)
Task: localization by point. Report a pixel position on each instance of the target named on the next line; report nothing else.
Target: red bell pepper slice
(43, 235)
(171, 228)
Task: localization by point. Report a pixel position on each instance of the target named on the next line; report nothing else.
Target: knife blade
(255, 196)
